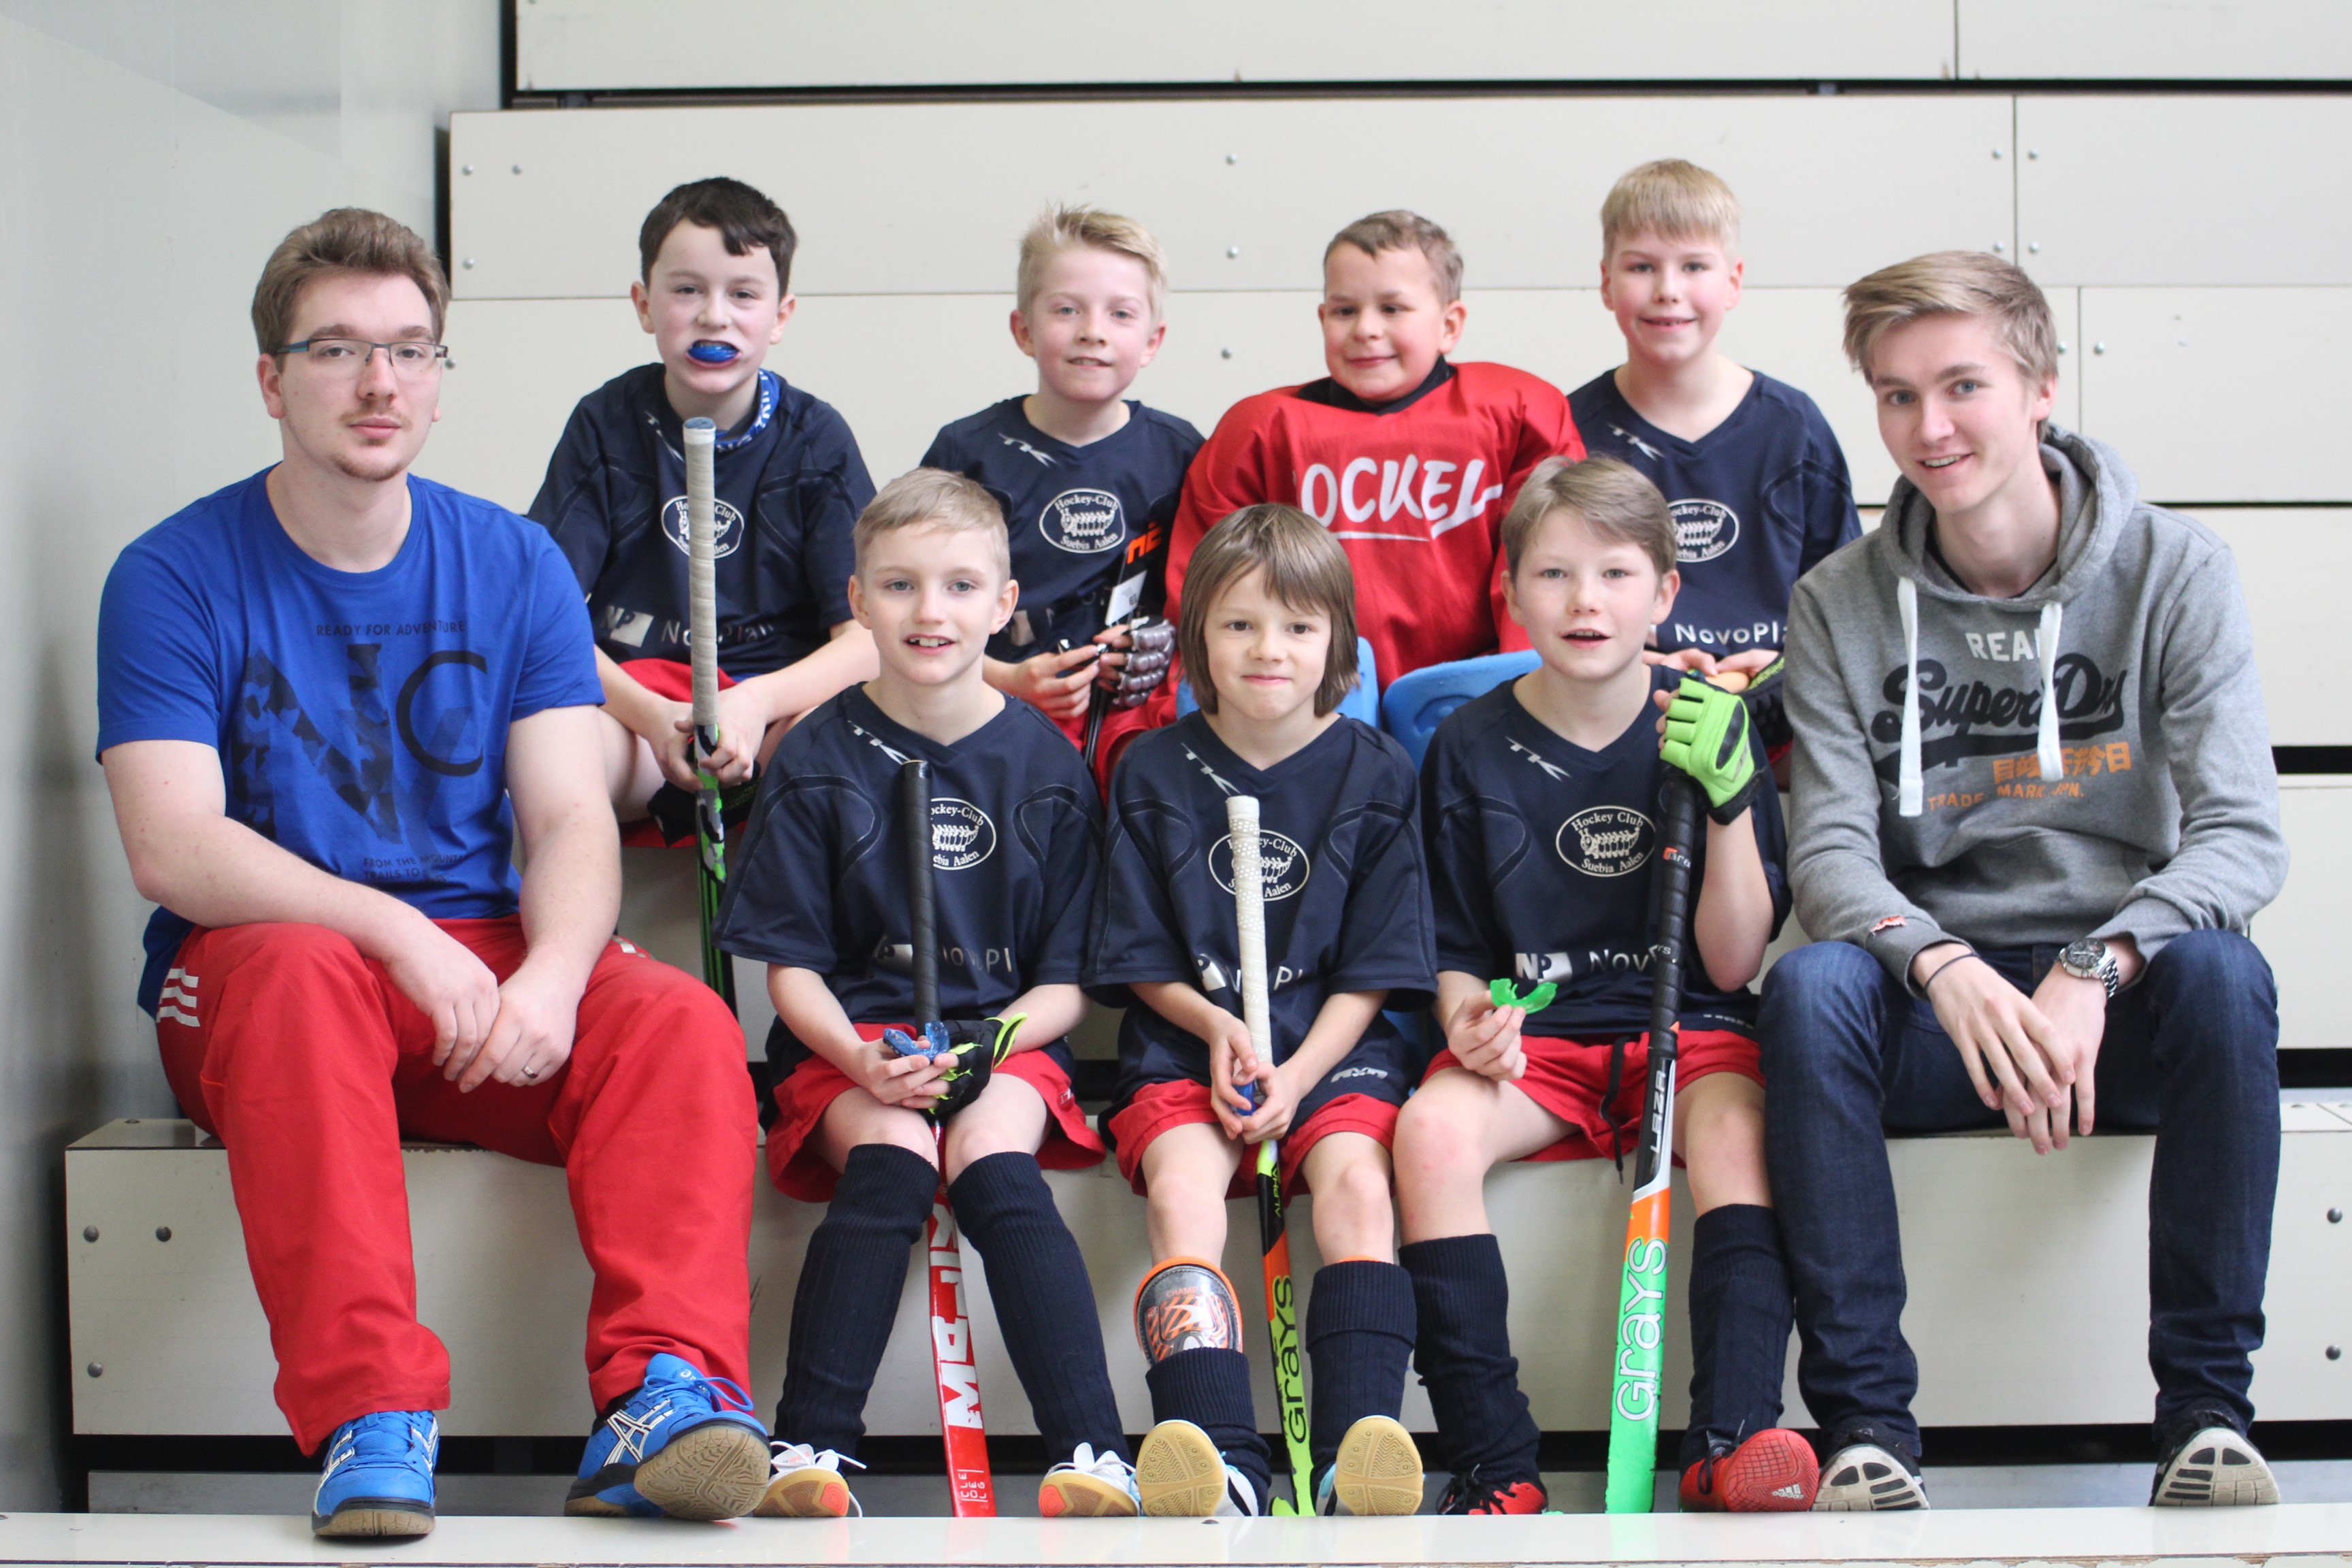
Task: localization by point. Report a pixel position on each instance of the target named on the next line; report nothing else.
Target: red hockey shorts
(1567, 1078)
(662, 678)
(802, 1099)
(1182, 1102)
(311, 1066)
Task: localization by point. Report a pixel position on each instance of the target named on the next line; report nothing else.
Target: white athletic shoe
(1180, 1473)
(2216, 1467)
(807, 1483)
(1088, 1484)
(1376, 1471)
(1863, 1477)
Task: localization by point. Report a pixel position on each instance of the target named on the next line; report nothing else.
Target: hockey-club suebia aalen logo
(729, 520)
(1083, 522)
(961, 834)
(1703, 530)
(1282, 863)
(1606, 840)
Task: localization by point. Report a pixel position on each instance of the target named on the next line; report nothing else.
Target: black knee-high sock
(1045, 1302)
(848, 1294)
(1211, 1388)
(1741, 1313)
(1464, 1351)
(1359, 1333)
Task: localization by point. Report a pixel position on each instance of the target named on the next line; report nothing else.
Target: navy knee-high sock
(848, 1294)
(1211, 1388)
(1045, 1302)
(1359, 1333)
(1462, 1297)
(1741, 1314)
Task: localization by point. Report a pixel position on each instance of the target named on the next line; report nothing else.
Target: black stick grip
(1680, 797)
(922, 912)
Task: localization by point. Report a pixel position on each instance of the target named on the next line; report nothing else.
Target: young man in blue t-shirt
(329, 697)
(716, 292)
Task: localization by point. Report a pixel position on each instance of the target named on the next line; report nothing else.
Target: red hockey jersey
(1416, 495)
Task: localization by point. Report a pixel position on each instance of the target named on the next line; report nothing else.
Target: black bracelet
(1959, 958)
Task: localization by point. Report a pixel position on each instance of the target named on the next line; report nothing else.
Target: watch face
(2083, 957)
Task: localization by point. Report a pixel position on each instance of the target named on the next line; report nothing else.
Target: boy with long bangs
(715, 293)
(1088, 480)
(1408, 458)
(1269, 633)
(1759, 485)
(821, 897)
(1542, 816)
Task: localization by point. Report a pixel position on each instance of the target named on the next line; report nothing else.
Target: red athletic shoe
(1772, 1472)
(1468, 1494)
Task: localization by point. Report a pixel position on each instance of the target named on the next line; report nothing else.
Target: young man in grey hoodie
(2033, 810)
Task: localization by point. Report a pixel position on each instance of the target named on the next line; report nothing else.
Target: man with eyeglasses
(329, 697)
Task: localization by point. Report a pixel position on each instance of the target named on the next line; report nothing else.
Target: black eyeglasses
(350, 356)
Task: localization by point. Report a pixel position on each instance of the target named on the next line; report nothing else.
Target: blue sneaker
(379, 1475)
(684, 1446)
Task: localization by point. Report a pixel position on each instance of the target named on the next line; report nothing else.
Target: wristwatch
(2090, 959)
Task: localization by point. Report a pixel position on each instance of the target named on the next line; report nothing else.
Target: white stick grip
(702, 575)
(1249, 914)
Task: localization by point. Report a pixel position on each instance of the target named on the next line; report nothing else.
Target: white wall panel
(2154, 40)
(2303, 934)
(689, 44)
(2226, 394)
(2293, 565)
(1243, 194)
(2133, 188)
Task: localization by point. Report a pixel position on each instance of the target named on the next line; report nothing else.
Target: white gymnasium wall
(155, 150)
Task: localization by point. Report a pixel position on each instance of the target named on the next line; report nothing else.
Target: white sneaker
(1180, 1473)
(2215, 1467)
(807, 1483)
(1088, 1484)
(1862, 1478)
(1377, 1471)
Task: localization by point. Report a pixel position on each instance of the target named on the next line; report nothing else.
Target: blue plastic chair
(1413, 708)
(1364, 702)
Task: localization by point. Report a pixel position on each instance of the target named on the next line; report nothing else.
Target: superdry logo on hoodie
(1983, 720)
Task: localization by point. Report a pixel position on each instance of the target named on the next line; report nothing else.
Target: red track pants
(311, 1065)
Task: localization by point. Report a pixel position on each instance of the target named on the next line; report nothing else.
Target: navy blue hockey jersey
(1082, 521)
(821, 882)
(1542, 857)
(1756, 502)
(1347, 905)
(791, 484)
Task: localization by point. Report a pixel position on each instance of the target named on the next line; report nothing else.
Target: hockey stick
(964, 1432)
(1274, 1238)
(702, 647)
(1641, 1300)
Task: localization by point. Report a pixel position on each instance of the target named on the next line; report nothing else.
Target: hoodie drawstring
(1911, 785)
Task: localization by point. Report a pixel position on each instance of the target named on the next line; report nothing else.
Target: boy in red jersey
(1409, 459)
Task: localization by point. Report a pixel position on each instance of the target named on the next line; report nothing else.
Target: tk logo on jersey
(1606, 840)
(1083, 522)
(1703, 530)
(961, 834)
(730, 531)
(1282, 864)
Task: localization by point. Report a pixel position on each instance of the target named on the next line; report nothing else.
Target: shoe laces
(1716, 1454)
(785, 1457)
(1469, 1494)
(718, 1392)
(1105, 1466)
(386, 1437)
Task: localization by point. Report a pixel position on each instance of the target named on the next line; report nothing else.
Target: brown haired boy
(715, 292)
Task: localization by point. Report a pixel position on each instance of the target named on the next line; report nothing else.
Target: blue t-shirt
(790, 484)
(1542, 861)
(361, 716)
(1082, 520)
(1756, 502)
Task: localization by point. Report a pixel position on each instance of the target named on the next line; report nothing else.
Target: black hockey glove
(673, 809)
(1151, 644)
(1767, 709)
(973, 1047)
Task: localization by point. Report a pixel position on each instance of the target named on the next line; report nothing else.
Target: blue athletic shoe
(379, 1475)
(684, 1445)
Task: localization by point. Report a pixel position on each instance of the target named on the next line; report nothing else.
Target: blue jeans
(2190, 1050)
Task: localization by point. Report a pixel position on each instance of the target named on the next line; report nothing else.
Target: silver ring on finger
(531, 1072)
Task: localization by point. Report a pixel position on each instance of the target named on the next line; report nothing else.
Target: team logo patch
(1083, 522)
(730, 526)
(1704, 529)
(1606, 840)
(961, 834)
(1282, 864)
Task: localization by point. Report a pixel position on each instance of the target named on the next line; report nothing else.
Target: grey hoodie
(2090, 758)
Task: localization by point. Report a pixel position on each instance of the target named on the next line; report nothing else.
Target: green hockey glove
(1706, 737)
